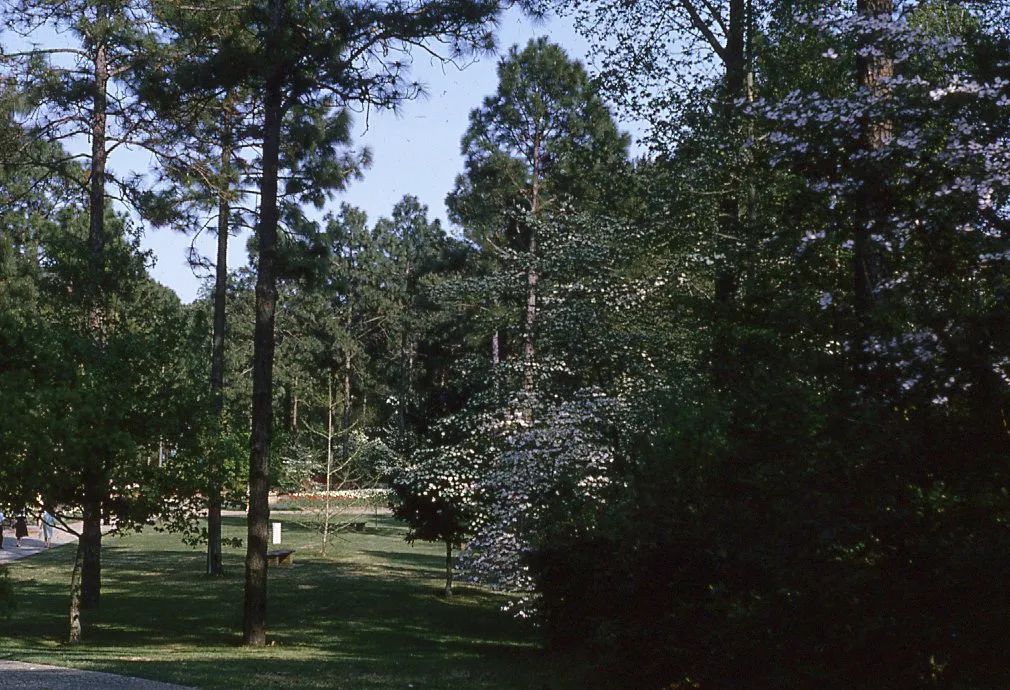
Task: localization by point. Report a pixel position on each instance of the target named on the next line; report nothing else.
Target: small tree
(432, 500)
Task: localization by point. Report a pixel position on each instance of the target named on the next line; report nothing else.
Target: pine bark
(214, 560)
(329, 459)
(96, 186)
(254, 626)
(91, 537)
(406, 360)
(345, 417)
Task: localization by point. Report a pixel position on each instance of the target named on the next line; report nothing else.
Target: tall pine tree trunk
(214, 562)
(345, 417)
(94, 485)
(96, 188)
(330, 402)
(254, 628)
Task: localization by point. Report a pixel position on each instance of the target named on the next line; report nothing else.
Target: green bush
(863, 556)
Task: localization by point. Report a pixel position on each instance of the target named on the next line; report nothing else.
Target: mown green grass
(369, 614)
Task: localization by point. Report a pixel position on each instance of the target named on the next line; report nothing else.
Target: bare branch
(706, 31)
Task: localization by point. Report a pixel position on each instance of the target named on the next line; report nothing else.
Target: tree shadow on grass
(362, 618)
(416, 563)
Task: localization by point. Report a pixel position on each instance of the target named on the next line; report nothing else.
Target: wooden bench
(280, 557)
(350, 526)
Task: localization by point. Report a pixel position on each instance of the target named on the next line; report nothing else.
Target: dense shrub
(794, 564)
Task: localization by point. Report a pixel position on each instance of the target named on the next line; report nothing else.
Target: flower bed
(350, 499)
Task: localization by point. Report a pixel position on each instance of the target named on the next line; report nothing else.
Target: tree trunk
(214, 561)
(345, 417)
(872, 212)
(404, 384)
(91, 546)
(75, 595)
(329, 458)
(411, 361)
(448, 569)
(529, 344)
(91, 538)
(736, 79)
(407, 353)
(255, 602)
(874, 72)
(532, 276)
(96, 187)
(294, 407)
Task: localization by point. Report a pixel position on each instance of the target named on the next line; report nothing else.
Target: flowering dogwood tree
(915, 194)
(832, 505)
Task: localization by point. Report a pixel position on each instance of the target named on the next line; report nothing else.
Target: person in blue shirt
(47, 522)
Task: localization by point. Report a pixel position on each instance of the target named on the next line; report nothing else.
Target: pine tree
(310, 60)
(536, 155)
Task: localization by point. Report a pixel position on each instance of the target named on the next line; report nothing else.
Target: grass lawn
(369, 614)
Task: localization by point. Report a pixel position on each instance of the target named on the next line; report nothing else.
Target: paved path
(33, 543)
(15, 675)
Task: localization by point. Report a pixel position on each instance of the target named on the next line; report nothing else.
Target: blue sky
(415, 152)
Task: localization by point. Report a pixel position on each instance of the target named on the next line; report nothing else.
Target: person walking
(47, 522)
(20, 526)
(2, 519)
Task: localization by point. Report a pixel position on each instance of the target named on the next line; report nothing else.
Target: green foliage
(88, 392)
(801, 513)
(544, 137)
(731, 415)
(431, 513)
